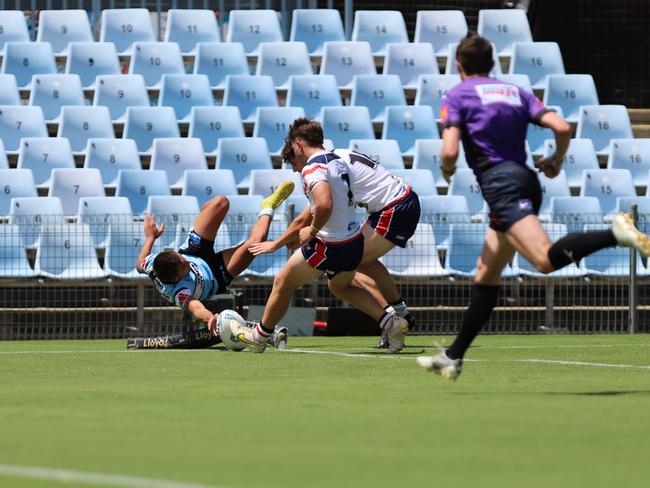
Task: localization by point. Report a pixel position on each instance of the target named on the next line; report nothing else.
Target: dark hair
(303, 128)
(166, 266)
(474, 53)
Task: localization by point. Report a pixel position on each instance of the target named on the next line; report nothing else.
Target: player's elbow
(449, 155)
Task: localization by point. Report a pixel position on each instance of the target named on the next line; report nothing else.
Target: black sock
(383, 319)
(481, 304)
(573, 247)
(268, 331)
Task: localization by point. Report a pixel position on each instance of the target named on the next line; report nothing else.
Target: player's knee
(280, 283)
(219, 204)
(544, 266)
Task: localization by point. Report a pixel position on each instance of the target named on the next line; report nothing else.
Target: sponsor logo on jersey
(182, 297)
(525, 204)
(498, 93)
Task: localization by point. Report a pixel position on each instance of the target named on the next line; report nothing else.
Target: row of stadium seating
(251, 27)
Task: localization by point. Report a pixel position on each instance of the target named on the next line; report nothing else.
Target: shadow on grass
(598, 393)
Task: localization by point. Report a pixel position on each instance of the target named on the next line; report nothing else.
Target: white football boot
(393, 332)
(247, 336)
(627, 235)
(442, 365)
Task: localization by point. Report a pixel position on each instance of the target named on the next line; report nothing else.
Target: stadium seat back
(15, 183)
(385, 151)
(124, 26)
(607, 185)
(570, 92)
(13, 259)
(154, 59)
(342, 124)
(138, 185)
(601, 123)
(265, 181)
(419, 257)
(272, 124)
(280, 60)
(249, 92)
(312, 93)
(30, 213)
(346, 59)
(9, 90)
(241, 155)
(217, 60)
(118, 92)
(175, 155)
(377, 92)
(70, 184)
(99, 213)
(537, 60)
(421, 180)
(18, 121)
(26, 59)
(124, 242)
(187, 27)
(81, 123)
(575, 212)
(61, 27)
(212, 123)
(51, 92)
(406, 124)
(379, 27)
(580, 155)
(182, 92)
(92, 59)
(504, 27)
(252, 27)
(409, 61)
(111, 155)
(432, 89)
(441, 211)
(315, 27)
(426, 155)
(464, 183)
(42, 154)
(440, 28)
(465, 245)
(205, 184)
(633, 155)
(176, 212)
(12, 27)
(144, 124)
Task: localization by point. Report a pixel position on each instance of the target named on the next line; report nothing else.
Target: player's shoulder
(319, 162)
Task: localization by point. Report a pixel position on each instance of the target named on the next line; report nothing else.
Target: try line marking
(103, 479)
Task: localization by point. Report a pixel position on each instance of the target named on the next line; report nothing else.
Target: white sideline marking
(575, 363)
(71, 476)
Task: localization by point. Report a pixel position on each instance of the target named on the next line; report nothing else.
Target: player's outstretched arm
(552, 165)
(449, 152)
(288, 236)
(199, 312)
(151, 233)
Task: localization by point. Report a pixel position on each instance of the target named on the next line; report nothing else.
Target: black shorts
(197, 246)
(512, 191)
(334, 257)
(397, 222)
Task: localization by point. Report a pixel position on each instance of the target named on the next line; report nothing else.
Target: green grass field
(523, 414)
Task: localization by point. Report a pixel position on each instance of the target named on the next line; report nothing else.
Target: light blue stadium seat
(581, 155)
(601, 123)
(118, 92)
(552, 187)
(265, 181)
(15, 183)
(379, 27)
(79, 124)
(175, 155)
(570, 92)
(249, 92)
(465, 246)
(280, 60)
(144, 124)
(611, 261)
(299, 202)
(12, 28)
(522, 81)
(269, 265)
(537, 135)
(450, 67)
(182, 92)
(441, 211)
(312, 93)
(252, 27)
(42, 154)
(217, 60)
(385, 151)
(9, 90)
(4, 164)
(315, 27)
(154, 59)
(464, 183)
(13, 260)
(409, 61)
(242, 214)
(406, 124)
(503, 27)
(124, 26)
(111, 155)
(70, 184)
(138, 185)
(607, 185)
(30, 213)
(25, 59)
(212, 123)
(272, 124)
(418, 258)
(99, 213)
(123, 246)
(427, 156)
(575, 212)
(537, 60)
(17, 121)
(633, 155)
(61, 27)
(187, 27)
(205, 184)
(377, 92)
(241, 155)
(421, 180)
(440, 28)
(51, 92)
(176, 212)
(345, 60)
(92, 59)
(623, 204)
(432, 89)
(341, 124)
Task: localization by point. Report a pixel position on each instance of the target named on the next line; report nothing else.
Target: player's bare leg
(211, 217)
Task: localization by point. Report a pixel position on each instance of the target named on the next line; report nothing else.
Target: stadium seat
(241, 155)
(633, 155)
(42, 154)
(574, 212)
(624, 204)
(341, 124)
(464, 183)
(537, 60)
(520, 80)
(99, 213)
(138, 185)
(607, 185)
(503, 27)
(421, 180)
(25, 59)
(269, 265)
(9, 90)
(377, 92)
(212, 123)
(70, 184)
(280, 60)
(570, 92)
(12, 28)
(252, 27)
(312, 93)
(175, 155)
(242, 214)
(345, 60)
(187, 27)
(426, 155)
(18, 121)
(111, 155)
(601, 123)
(92, 59)
(30, 213)
(450, 67)
(418, 258)
(118, 92)
(51, 92)
(465, 246)
(299, 202)
(432, 89)
(61, 27)
(123, 246)
(409, 61)
(441, 211)
(79, 124)
(249, 92)
(272, 124)
(154, 59)
(552, 187)
(144, 124)
(15, 183)
(13, 260)
(406, 124)
(379, 27)
(385, 151)
(440, 28)
(581, 155)
(176, 212)
(124, 26)
(610, 262)
(217, 60)
(537, 135)
(265, 181)
(205, 184)
(315, 27)
(4, 164)
(182, 92)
